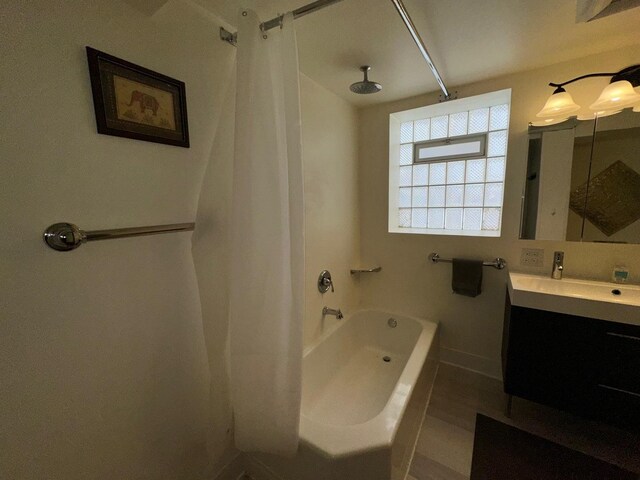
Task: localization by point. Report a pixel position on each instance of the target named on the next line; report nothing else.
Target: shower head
(365, 86)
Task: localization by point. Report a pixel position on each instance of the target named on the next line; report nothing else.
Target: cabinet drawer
(586, 366)
(552, 358)
(621, 361)
(619, 406)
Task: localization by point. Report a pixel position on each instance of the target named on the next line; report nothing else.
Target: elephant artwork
(145, 101)
(134, 102)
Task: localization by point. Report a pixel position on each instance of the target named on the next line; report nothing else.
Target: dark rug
(501, 451)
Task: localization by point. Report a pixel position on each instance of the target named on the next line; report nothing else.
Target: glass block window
(447, 166)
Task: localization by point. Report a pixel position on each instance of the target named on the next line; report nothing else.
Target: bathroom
(117, 358)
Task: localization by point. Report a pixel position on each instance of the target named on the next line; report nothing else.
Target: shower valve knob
(325, 281)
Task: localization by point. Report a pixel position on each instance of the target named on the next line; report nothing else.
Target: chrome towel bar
(67, 236)
(368, 270)
(498, 262)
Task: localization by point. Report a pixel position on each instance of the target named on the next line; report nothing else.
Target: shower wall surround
(332, 228)
(471, 328)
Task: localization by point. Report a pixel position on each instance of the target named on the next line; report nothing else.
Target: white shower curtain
(267, 241)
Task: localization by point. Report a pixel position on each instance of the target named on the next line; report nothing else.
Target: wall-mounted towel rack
(497, 262)
(366, 270)
(67, 236)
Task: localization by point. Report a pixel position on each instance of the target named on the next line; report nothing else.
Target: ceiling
(470, 40)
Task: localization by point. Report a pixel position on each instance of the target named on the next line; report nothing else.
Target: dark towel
(467, 277)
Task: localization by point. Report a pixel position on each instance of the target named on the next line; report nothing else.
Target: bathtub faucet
(331, 311)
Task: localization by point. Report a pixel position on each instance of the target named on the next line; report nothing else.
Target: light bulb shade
(558, 105)
(600, 114)
(549, 121)
(616, 96)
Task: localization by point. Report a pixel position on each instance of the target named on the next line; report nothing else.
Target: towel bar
(498, 262)
(67, 236)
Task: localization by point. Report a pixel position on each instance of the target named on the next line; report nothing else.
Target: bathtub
(365, 386)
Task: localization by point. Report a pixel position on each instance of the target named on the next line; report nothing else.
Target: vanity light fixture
(559, 103)
(548, 121)
(599, 114)
(615, 97)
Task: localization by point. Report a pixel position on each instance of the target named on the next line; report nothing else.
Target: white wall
(471, 328)
(103, 361)
(332, 229)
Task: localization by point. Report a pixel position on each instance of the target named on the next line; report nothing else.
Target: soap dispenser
(620, 274)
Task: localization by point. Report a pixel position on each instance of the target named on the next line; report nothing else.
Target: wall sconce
(615, 97)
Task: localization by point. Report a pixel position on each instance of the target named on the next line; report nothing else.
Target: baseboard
(234, 470)
(258, 470)
(475, 363)
(245, 464)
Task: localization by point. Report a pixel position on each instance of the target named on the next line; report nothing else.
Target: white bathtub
(360, 414)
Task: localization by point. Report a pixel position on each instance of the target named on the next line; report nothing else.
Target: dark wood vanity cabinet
(581, 365)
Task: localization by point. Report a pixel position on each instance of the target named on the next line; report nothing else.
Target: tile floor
(445, 445)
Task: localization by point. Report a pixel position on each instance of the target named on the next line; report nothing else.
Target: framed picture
(134, 102)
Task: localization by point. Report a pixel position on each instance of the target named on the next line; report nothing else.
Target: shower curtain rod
(406, 18)
(232, 38)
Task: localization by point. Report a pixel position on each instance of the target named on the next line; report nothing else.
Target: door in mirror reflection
(558, 162)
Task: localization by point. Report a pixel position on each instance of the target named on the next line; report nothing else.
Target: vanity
(574, 345)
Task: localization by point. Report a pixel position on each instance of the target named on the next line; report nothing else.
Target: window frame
(482, 137)
(396, 119)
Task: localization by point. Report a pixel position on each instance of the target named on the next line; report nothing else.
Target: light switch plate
(532, 257)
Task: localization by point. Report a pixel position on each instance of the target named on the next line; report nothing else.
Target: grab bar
(67, 236)
(498, 262)
(368, 270)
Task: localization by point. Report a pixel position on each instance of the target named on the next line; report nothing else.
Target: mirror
(583, 181)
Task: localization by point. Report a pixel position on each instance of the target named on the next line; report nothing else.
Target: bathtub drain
(386, 358)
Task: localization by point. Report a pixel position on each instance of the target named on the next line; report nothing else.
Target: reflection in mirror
(583, 181)
(558, 162)
(612, 199)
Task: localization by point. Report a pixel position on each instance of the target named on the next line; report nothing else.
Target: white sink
(602, 300)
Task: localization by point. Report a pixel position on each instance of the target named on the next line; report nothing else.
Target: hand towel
(467, 277)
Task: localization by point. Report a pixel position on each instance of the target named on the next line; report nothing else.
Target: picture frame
(134, 102)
